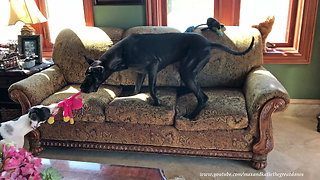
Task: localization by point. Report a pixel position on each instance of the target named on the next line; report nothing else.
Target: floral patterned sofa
(236, 123)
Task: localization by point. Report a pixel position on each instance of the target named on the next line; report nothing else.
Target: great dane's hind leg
(152, 75)
(189, 70)
(139, 82)
(202, 98)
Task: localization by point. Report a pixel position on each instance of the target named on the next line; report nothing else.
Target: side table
(8, 108)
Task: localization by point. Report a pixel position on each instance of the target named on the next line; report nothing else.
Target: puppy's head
(96, 74)
(40, 114)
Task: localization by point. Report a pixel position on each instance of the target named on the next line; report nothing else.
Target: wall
(301, 81)
(119, 16)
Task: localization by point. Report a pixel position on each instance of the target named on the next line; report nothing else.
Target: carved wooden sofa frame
(258, 157)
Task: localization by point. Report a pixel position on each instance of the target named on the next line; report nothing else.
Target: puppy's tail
(225, 48)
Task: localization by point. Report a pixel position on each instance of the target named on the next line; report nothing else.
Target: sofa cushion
(93, 103)
(226, 110)
(138, 109)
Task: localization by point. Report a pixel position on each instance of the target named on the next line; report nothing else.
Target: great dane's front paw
(190, 116)
(136, 92)
(156, 103)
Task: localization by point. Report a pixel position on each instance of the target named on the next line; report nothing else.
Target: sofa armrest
(260, 87)
(37, 87)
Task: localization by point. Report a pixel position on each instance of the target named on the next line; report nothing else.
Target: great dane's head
(40, 114)
(96, 74)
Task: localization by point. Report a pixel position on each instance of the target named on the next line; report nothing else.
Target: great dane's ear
(89, 61)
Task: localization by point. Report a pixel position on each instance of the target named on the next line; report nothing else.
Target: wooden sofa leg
(34, 142)
(265, 141)
(259, 161)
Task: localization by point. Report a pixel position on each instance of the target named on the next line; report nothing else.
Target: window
(63, 18)
(11, 32)
(292, 34)
(59, 17)
(183, 13)
(261, 11)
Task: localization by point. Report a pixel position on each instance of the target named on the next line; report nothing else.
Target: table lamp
(27, 12)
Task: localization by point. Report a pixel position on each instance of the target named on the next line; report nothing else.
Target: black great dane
(149, 54)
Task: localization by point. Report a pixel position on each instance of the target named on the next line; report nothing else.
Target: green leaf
(50, 173)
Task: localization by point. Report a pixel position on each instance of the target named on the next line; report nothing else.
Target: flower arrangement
(18, 164)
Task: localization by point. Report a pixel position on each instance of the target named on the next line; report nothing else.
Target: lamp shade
(25, 11)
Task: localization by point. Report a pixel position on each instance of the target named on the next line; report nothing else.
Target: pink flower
(11, 164)
(19, 165)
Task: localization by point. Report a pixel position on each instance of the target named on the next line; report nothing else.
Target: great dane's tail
(225, 48)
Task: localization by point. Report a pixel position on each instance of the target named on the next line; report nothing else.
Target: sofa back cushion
(72, 45)
(227, 70)
(223, 69)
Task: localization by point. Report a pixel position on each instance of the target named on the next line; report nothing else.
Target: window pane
(253, 12)
(8, 33)
(185, 13)
(64, 14)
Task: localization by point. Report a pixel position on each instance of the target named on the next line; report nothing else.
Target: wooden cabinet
(8, 108)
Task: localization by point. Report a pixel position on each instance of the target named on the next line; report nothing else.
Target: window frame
(43, 28)
(300, 50)
(301, 26)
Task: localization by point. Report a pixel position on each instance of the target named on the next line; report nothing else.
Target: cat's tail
(225, 48)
